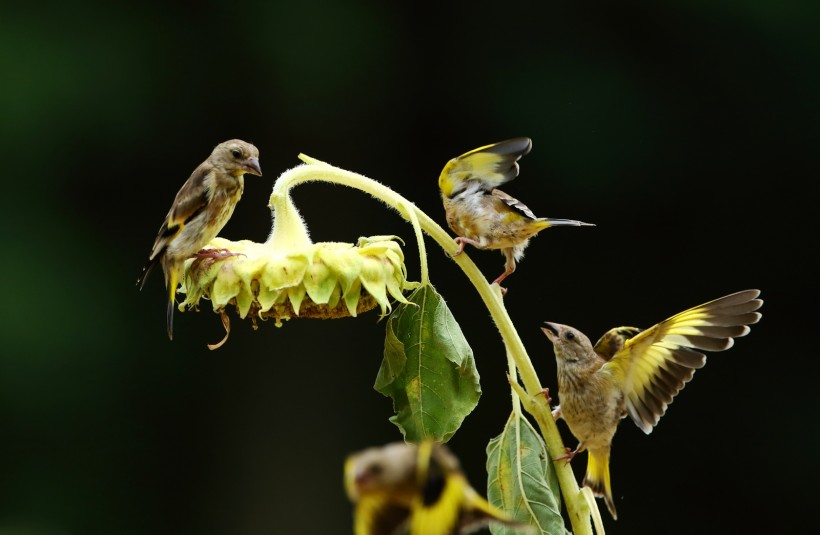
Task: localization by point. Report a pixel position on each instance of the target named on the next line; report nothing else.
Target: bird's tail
(597, 478)
(173, 279)
(146, 270)
(548, 222)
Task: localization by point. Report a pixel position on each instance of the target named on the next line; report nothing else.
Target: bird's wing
(376, 515)
(447, 504)
(190, 201)
(656, 363)
(437, 507)
(490, 165)
(441, 516)
(613, 341)
(513, 203)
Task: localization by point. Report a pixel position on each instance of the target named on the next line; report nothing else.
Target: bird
(482, 215)
(419, 489)
(636, 372)
(201, 208)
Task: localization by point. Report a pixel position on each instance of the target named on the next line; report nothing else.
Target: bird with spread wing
(637, 373)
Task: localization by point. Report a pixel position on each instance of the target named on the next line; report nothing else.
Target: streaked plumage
(201, 208)
(484, 216)
(637, 373)
(401, 488)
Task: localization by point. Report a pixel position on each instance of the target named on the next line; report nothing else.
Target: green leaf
(428, 369)
(521, 480)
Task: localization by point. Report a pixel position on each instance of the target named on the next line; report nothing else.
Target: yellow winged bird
(203, 205)
(484, 216)
(634, 372)
(402, 488)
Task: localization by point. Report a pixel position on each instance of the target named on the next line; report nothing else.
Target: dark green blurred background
(687, 131)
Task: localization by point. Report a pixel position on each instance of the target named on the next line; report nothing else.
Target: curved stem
(535, 403)
(414, 220)
(289, 231)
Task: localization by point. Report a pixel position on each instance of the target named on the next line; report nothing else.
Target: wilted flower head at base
(317, 280)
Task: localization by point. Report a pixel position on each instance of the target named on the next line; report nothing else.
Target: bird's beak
(551, 330)
(252, 166)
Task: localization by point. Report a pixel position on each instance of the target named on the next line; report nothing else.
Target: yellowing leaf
(428, 368)
(521, 480)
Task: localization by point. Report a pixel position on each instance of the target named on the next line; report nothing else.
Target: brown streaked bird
(634, 372)
(402, 488)
(484, 216)
(203, 205)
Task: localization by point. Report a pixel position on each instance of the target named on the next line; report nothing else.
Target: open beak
(252, 166)
(551, 330)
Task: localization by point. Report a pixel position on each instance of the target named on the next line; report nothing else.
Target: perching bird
(484, 216)
(420, 490)
(629, 371)
(201, 208)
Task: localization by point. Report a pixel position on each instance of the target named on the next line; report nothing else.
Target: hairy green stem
(531, 396)
(414, 220)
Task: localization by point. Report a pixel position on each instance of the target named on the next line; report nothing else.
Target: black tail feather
(146, 270)
(169, 318)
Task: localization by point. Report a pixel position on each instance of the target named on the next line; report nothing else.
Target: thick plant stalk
(534, 401)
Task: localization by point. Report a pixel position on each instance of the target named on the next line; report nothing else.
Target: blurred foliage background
(687, 131)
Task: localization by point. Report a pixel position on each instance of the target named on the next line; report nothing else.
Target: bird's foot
(462, 242)
(546, 393)
(501, 278)
(209, 256)
(216, 254)
(503, 290)
(568, 455)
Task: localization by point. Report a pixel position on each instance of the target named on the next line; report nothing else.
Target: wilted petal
(319, 280)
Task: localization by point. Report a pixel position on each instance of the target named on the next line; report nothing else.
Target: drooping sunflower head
(317, 280)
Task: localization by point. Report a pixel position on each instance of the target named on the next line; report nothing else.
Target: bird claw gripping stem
(569, 454)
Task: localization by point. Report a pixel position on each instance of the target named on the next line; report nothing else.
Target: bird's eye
(375, 469)
(236, 153)
(570, 336)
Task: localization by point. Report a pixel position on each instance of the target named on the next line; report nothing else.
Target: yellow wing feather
(377, 515)
(447, 504)
(442, 516)
(655, 364)
(415, 490)
(490, 165)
